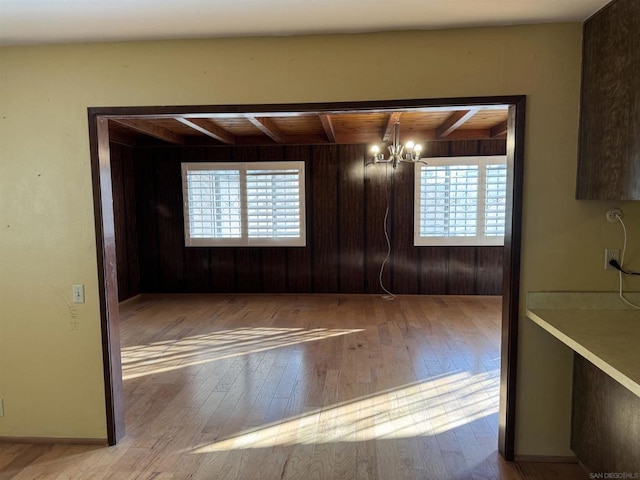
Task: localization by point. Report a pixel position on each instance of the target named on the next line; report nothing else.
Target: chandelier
(409, 152)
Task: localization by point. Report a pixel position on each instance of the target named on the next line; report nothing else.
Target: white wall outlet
(611, 254)
(78, 294)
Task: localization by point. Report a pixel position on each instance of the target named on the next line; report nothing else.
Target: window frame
(480, 239)
(244, 240)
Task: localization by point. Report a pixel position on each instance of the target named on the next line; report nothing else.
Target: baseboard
(40, 440)
(545, 459)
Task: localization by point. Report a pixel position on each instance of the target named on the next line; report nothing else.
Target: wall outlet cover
(613, 214)
(611, 254)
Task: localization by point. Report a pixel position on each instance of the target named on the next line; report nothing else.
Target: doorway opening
(190, 117)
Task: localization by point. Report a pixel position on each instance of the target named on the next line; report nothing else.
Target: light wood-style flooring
(300, 387)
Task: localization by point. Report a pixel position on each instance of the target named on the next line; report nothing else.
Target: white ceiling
(62, 21)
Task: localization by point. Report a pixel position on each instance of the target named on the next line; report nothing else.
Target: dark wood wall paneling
(346, 203)
(123, 185)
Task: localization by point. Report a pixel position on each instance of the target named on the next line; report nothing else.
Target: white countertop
(608, 338)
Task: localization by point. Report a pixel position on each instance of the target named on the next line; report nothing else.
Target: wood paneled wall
(125, 218)
(346, 204)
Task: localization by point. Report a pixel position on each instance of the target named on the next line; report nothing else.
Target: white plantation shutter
(449, 196)
(460, 201)
(495, 200)
(250, 204)
(214, 203)
(273, 203)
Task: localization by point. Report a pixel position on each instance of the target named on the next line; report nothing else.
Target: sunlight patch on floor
(165, 356)
(423, 408)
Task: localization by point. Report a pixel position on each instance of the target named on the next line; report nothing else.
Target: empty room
(348, 336)
(336, 240)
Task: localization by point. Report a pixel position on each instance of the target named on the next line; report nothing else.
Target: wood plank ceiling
(370, 127)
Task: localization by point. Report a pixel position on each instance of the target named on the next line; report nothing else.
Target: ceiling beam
(208, 128)
(391, 122)
(468, 134)
(266, 126)
(150, 129)
(454, 121)
(327, 124)
(499, 130)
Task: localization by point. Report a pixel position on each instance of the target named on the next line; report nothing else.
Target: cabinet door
(609, 152)
(605, 423)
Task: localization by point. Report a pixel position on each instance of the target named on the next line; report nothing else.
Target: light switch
(78, 294)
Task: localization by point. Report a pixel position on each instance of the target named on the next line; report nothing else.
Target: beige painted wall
(50, 354)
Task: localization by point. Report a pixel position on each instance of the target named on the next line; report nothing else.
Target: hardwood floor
(299, 387)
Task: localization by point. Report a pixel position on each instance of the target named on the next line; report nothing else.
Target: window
(460, 201)
(244, 204)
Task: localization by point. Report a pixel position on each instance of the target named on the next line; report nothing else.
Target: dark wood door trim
(105, 237)
(511, 279)
(107, 275)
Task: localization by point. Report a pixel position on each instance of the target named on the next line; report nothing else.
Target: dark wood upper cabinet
(609, 150)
